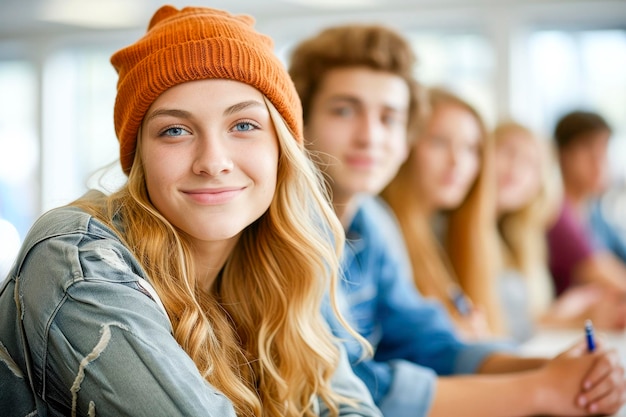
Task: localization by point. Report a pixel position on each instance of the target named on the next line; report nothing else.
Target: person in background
(195, 289)
(574, 257)
(527, 196)
(361, 105)
(447, 217)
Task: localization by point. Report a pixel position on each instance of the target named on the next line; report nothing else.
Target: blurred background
(532, 60)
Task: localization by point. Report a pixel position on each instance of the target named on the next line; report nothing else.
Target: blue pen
(460, 301)
(591, 343)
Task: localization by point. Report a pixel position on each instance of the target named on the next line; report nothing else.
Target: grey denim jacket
(82, 333)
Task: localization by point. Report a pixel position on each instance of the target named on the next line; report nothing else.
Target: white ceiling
(27, 18)
(45, 19)
(28, 27)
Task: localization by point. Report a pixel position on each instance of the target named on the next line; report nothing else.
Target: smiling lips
(362, 162)
(214, 196)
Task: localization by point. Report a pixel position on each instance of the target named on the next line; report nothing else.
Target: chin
(450, 202)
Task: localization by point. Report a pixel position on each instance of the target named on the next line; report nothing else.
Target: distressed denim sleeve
(98, 345)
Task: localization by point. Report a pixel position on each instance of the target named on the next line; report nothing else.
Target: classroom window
(465, 63)
(580, 69)
(79, 138)
(19, 144)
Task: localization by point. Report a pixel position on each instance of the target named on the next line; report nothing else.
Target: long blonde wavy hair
(259, 335)
(522, 232)
(467, 255)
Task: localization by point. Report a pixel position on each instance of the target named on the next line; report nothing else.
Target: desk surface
(551, 342)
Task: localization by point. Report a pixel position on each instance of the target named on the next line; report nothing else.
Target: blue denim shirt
(83, 333)
(413, 338)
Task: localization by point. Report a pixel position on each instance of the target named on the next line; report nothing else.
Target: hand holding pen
(604, 383)
(470, 320)
(461, 302)
(591, 343)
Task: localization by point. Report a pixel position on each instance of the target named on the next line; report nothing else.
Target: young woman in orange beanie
(196, 288)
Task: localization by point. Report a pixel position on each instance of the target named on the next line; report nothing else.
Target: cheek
(502, 163)
(156, 194)
(262, 166)
(400, 149)
(153, 175)
(517, 187)
(429, 161)
(161, 172)
(471, 167)
(532, 186)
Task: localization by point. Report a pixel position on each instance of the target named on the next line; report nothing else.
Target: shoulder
(71, 225)
(379, 238)
(63, 221)
(568, 229)
(9, 246)
(566, 219)
(67, 246)
(376, 217)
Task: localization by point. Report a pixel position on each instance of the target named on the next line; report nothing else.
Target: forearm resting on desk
(507, 395)
(603, 268)
(555, 389)
(502, 363)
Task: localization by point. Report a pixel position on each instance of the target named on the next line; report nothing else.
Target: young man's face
(357, 128)
(584, 163)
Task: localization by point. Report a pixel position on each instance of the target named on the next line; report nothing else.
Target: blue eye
(247, 126)
(244, 127)
(175, 131)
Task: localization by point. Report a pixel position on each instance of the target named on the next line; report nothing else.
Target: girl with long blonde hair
(196, 289)
(528, 197)
(443, 197)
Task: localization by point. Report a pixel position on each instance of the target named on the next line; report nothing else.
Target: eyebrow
(242, 106)
(169, 112)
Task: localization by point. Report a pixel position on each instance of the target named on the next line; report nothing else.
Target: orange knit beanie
(196, 43)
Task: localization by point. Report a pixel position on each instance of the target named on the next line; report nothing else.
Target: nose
(454, 154)
(212, 156)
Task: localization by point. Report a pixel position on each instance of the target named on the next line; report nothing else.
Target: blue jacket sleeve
(400, 388)
(420, 331)
(414, 339)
